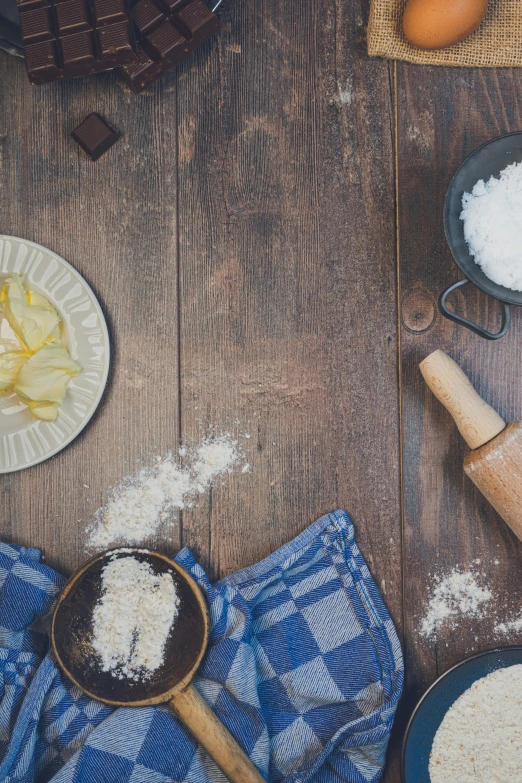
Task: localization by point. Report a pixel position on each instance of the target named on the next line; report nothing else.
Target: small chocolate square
(166, 43)
(42, 62)
(79, 56)
(95, 135)
(72, 17)
(36, 25)
(109, 11)
(115, 43)
(146, 15)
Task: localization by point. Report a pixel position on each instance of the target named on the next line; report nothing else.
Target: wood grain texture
(115, 221)
(287, 286)
(288, 301)
(241, 238)
(442, 115)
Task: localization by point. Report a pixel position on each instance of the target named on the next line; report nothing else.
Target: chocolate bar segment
(82, 37)
(95, 135)
(108, 12)
(35, 25)
(78, 54)
(146, 16)
(143, 72)
(114, 43)
(168, 31)
(72, 17)
(170, 6)
(42, 62)
(195, 19)
(166, 43)
(27, 5)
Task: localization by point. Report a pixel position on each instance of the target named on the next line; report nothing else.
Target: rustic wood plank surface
(256, 272)
(288, 282)
(443, 114)
(116, 222)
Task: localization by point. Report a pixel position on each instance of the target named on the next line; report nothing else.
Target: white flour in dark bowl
(480, 738)
(492, 215)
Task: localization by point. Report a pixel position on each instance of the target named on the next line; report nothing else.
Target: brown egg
(434, 24)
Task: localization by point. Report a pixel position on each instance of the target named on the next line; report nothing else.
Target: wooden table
(267, 244)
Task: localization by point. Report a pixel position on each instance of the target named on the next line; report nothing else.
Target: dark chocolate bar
(168, 31)
(75, 37)
(95, 135)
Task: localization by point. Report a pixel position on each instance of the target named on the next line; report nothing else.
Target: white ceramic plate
(23, 440)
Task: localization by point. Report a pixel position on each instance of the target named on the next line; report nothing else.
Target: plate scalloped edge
(25, 441)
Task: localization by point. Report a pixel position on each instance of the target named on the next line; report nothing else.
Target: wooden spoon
(71, 635)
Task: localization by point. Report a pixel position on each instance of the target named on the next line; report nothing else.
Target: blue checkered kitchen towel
(303, 667)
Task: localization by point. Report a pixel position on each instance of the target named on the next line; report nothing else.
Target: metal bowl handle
(458, 319)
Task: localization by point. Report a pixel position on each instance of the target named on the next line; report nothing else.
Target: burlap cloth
(497, 42)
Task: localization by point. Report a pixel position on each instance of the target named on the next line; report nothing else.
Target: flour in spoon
(480, 737)
(133, 618)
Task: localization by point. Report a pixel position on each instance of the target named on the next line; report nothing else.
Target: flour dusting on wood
(509, 626)
(464, 593)
(456, 595)
(139, 505)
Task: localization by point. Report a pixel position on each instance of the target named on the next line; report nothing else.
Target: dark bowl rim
(435, 683)
(511, 297)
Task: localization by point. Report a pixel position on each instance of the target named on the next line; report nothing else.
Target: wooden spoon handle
(477, 421)
(194, 712)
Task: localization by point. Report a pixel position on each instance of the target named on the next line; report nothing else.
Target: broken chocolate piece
(168, 31)
(81, 36)
(165, 43)
(194, 19)
(140, 74)
(95, 135)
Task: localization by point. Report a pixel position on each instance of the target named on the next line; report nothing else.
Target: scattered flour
(139, 505)
(480, 738)
(465, 594)
(509, 626)
(454, 596)
(492, 215)
(212, 458)
(133, 618)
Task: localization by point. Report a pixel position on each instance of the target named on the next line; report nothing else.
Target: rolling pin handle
(478, 423)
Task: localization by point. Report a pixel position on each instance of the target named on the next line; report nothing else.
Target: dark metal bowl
(10, 38)
(431, 709)
(486, 161)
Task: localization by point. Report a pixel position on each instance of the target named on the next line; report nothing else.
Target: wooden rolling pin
(495, 462)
